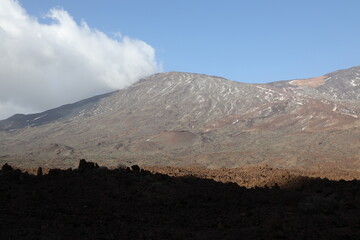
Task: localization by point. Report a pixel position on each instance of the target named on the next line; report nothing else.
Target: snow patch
(37, 118)
(353, 83)
(334, 109)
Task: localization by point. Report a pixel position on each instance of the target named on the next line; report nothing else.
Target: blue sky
(248, 41)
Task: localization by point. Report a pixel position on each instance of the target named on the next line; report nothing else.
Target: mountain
(192, 119)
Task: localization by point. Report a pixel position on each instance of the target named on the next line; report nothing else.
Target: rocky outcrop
(84, 165)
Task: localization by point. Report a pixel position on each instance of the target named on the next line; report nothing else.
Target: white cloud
(46, 65)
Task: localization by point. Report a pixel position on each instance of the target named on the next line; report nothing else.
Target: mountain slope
(184, 118)
(57, 114)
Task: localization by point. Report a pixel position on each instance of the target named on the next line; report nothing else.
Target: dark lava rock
(135, 168)
(39, 172)
(84, 165)
(118, 204)
(6, 168)
(55, 172)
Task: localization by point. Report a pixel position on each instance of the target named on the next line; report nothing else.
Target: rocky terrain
(93, 202)
(181, 119)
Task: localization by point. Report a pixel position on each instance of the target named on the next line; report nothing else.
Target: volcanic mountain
(192, 119)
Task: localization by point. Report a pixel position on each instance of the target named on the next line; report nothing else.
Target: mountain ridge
(185, 118)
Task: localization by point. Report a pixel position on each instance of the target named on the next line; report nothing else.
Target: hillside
(183, 119)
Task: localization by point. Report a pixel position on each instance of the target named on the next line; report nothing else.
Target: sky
(53, 52)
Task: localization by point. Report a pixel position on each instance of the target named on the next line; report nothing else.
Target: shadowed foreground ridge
(92, 202)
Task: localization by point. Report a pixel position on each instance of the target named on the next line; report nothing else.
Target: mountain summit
(184, 118)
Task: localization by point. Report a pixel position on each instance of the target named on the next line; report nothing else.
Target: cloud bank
(46, 65)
